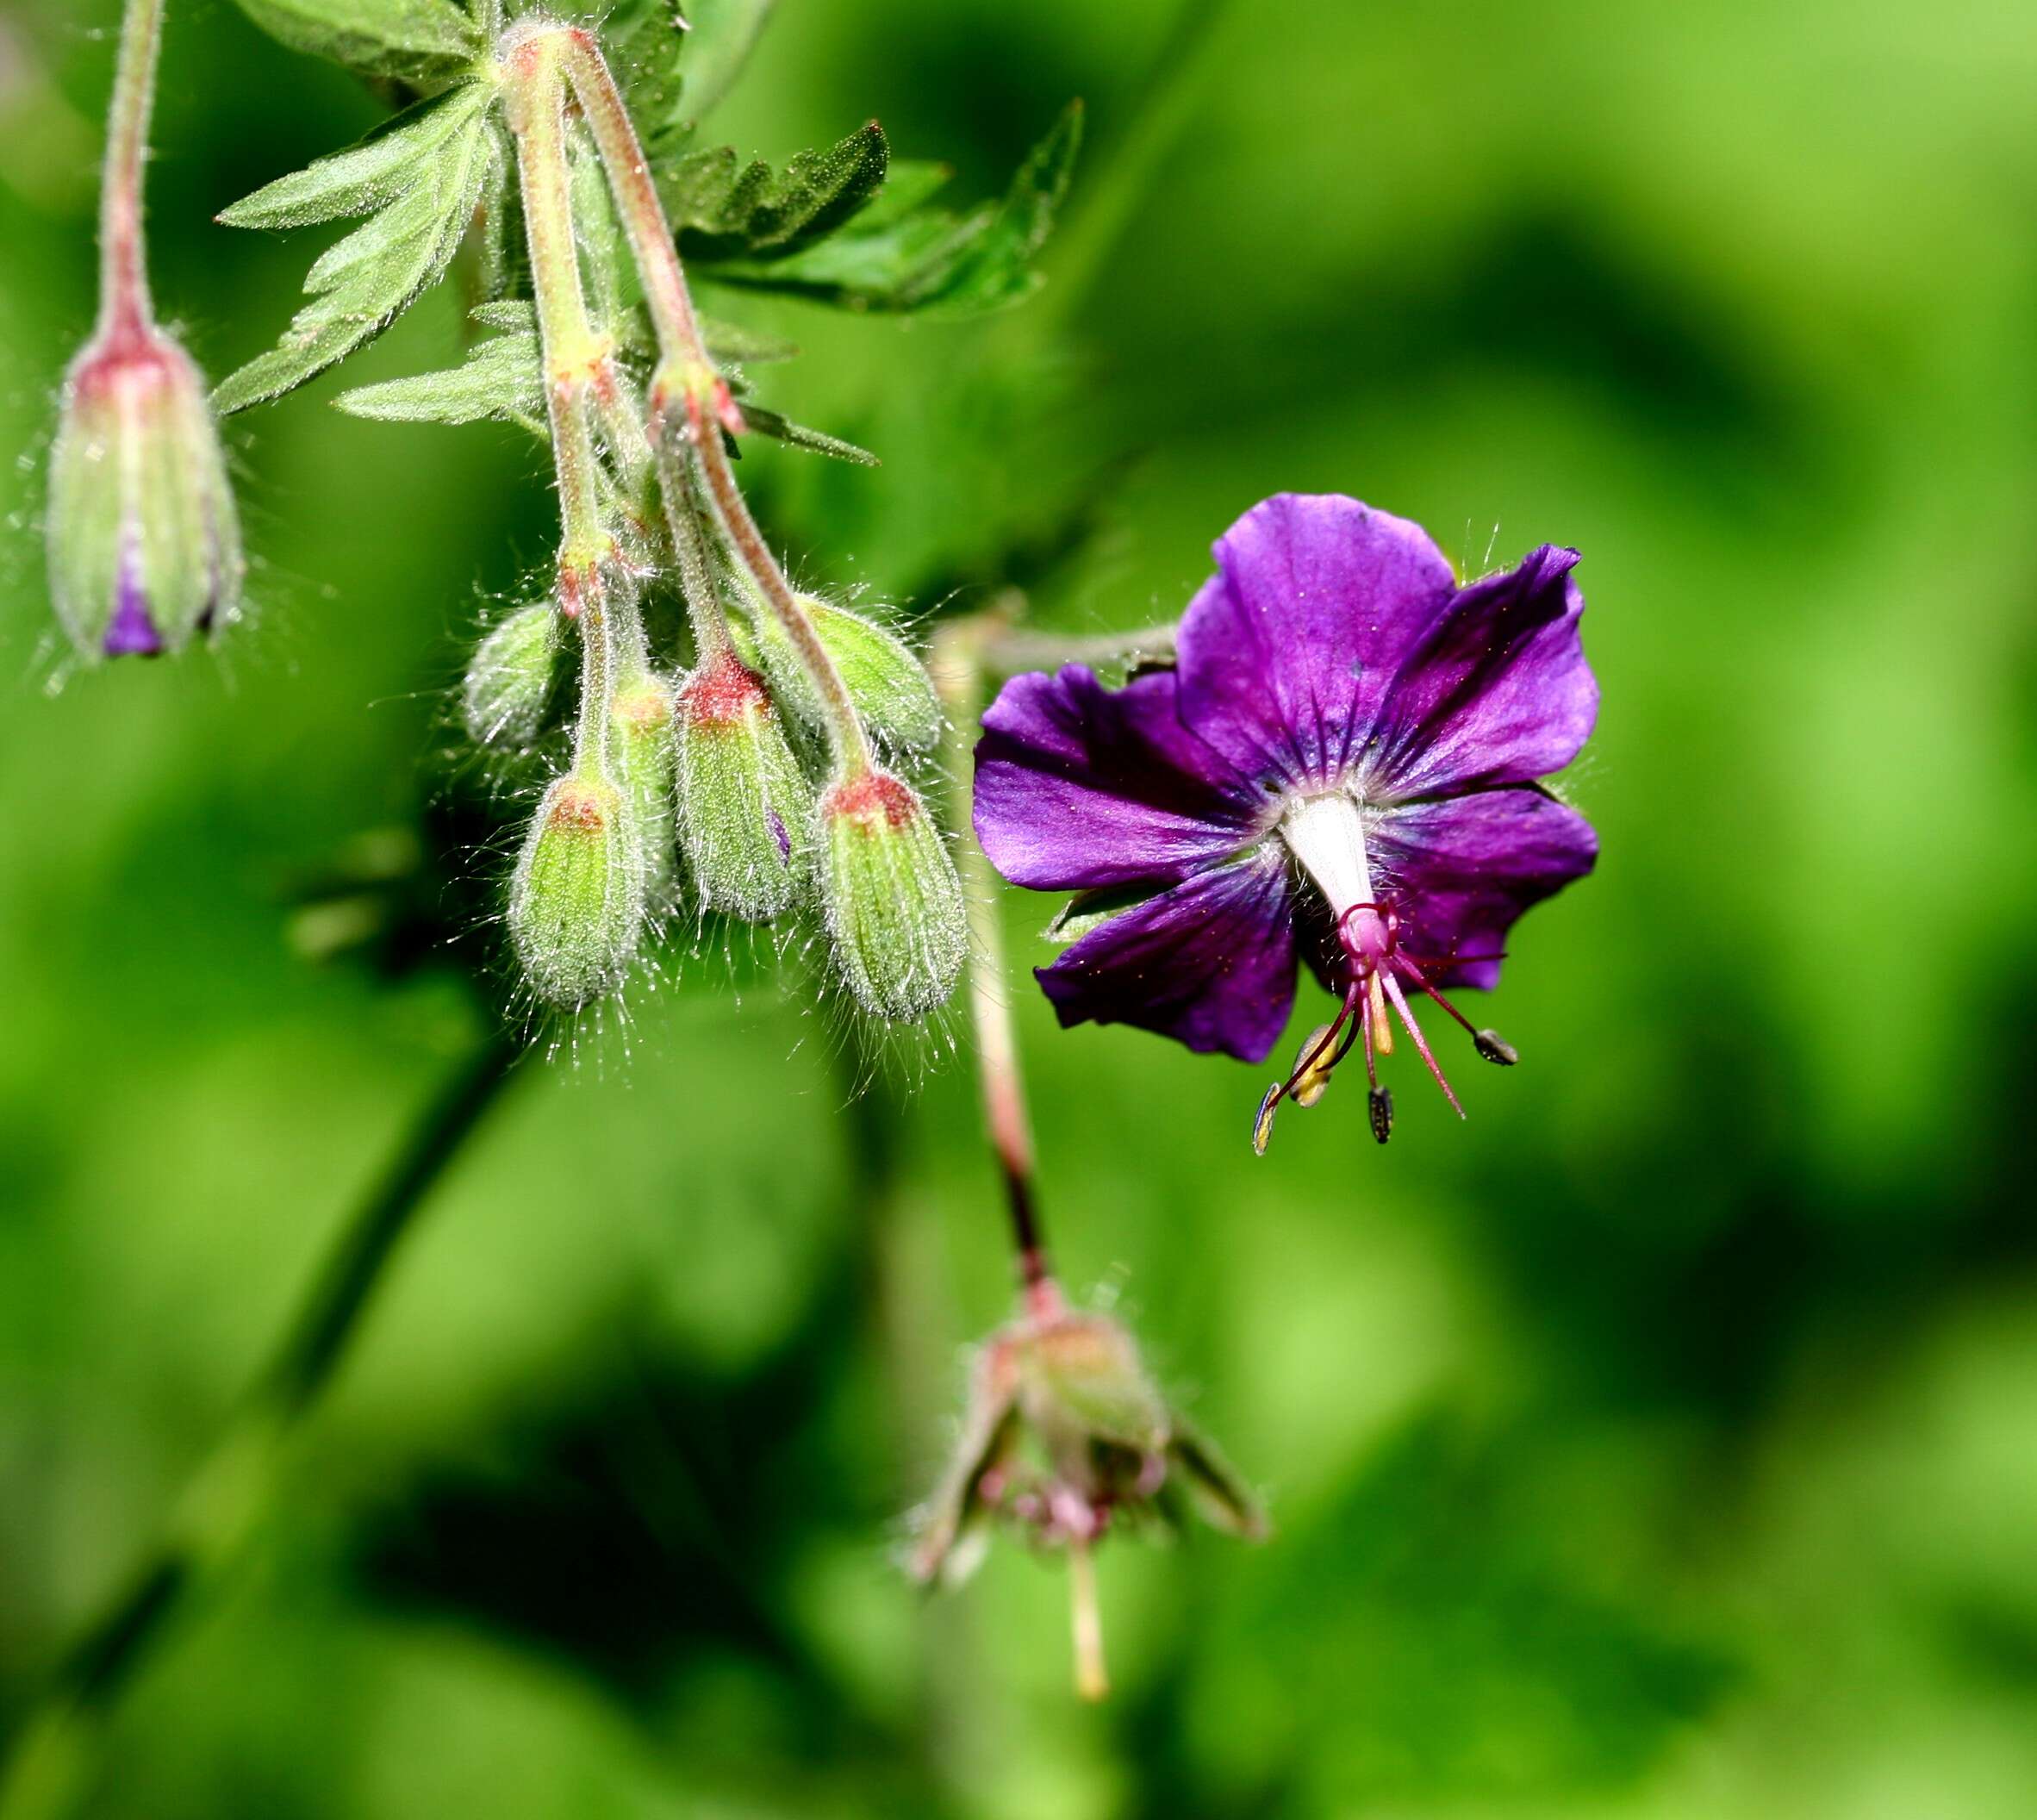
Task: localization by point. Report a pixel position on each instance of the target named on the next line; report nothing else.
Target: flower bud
(889, 685)
(576, 901)
(509, 682)
(144, 543)
(745, 809)
(892, 901)
(640, 740)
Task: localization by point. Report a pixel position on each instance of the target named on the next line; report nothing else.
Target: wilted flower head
(1341, 770)
(144, 542)
(1066, 1436)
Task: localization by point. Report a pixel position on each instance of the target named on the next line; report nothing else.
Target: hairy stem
(1010, 651)
(958, 673)
(576, 358)
(687, 387)
(124, 306)
(49, 1756)
(689, 545)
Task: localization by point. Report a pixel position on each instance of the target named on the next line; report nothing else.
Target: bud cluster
(706, 779)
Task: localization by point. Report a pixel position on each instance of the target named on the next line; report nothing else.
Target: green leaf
(423, 201)
(413, 39)
(769, 423)
(919, 258)
(364, 177)
(724, 209)
(503, 378)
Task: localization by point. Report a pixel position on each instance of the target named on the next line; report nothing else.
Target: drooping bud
(745, 809)
(510, 681)
(889, 686)
(577, 901)
(144, 541)
(892, 902)
(1065, 1434)
(640, 735)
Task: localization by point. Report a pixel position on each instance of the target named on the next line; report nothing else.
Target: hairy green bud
(745, 809)
(892, 902)
(577, 901)
(509, 682)
(144, 540)
(640, 738)
(886, 681)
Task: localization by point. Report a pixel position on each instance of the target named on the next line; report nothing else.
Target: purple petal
(1498, 692)
(1210, 963)
(132, 633)
(1460, 871)
(1078, 785)
(1287, 653)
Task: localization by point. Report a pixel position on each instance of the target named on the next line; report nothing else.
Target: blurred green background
(1660, 1443)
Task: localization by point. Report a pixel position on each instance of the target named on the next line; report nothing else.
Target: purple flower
(1341, 769)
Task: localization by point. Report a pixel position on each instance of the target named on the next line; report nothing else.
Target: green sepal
(420, 181)
(891, 899)
(415, 39)
(641, 736)
(890, 687)
(577, 900)
(512, 678)
(745, 809)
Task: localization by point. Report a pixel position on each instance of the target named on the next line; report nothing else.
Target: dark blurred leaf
(413, 39)
(917, 257)
(647, 47)
(422, 180)
(722, 208)
(722, 35)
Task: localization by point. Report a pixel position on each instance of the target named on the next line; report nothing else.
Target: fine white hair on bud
(577, 899)
(640, 715)
(745, 809)
(509, 681)
(892, 902)
(144, 539)
(892, 693)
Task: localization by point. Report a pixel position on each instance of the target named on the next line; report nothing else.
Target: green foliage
(722, 208)
(418, 181)
(503, 378)
(416, 39)
(903, 253)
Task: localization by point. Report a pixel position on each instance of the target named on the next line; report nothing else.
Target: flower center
(1326, 835)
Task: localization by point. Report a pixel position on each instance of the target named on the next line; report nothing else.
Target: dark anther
(1495, 1048)
(1380, 1103)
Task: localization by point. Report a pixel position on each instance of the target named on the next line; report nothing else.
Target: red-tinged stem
(124, 306)
(957, 671)
(575, 359)
(849, 745)
(687, 387)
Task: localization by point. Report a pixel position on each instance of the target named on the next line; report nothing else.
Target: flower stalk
(125, 309)
(686, 391)
(958, 670)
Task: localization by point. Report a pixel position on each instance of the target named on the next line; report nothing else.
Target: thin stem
(50, 1752)
(574, 354)
(124, 306)
(687, 380)
(689, 545)
(958, 674)
(849, 745)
